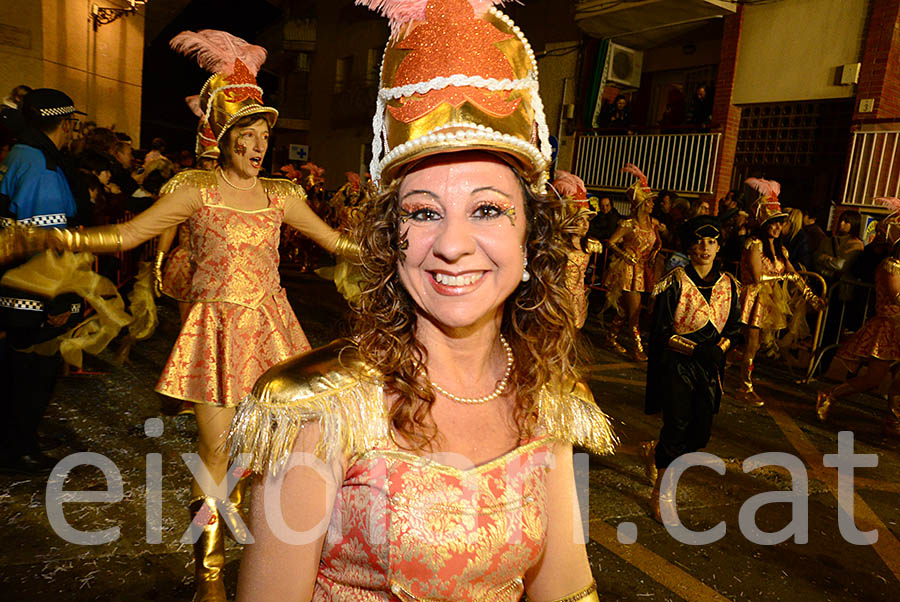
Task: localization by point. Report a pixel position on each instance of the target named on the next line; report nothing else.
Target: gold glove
(588, 594)
(679, 344)
(157, 272)
(346, 247)
(594, 246)
(623, 253)
(18, 241)
(102, 239)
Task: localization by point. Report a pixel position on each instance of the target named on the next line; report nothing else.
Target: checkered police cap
(47, 102)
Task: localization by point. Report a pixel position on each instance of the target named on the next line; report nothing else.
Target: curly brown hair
(538, 318)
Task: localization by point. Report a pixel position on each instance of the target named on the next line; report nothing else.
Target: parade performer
(878, 341)
(572, 189)
(436, 425)
(696, 320)
(634, 246)
(240, 323)
(765, 270)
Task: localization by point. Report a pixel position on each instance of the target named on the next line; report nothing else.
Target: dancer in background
(877, 343)
(765, 270)
(240, 323)
(696, 320)
(633, 246)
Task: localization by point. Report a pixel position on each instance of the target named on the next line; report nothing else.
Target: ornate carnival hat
(639, 192)
(231, 92)
(571, 189)
(205, 146)
(766, 207)
(457, 75)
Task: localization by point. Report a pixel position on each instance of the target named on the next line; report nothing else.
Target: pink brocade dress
(178, 273)
(763, 305)
(241, 323)
(407, 528)
(879, 337)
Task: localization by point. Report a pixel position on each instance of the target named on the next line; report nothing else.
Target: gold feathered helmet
(572, 190)
(205, 146)
(766, 206)
(457, 75)
(639, 192)
(891, 224)
(231, 92)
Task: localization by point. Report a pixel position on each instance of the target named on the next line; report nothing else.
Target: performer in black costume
(696, 319)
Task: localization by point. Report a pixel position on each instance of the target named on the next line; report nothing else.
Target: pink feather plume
(216, 50)
(401, 12)
(193, 103)
(636, 172)
(569, 185)
(354, 179)
(315, 170)
(892, 203)
(764, 187)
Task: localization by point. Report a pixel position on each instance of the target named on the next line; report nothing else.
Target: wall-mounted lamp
(101, 15)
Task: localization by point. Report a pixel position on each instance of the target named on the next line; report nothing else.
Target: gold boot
(209, 551)
(745, 391)
(892, 422)
(823, 404)
(234, 513)
(615, 328)
(637, 351)
(648, 455)
(660, 498)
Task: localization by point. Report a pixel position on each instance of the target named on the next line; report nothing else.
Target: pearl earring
(526, 275)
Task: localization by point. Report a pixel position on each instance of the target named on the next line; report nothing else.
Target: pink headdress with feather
(891, 224)
(205, 145)
(766, 207)
(572, 189)
(457, 75)
(639, 192)
(231, 92)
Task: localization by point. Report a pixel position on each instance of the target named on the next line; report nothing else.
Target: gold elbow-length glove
(347, 247)
(18, 242)
(157, 272)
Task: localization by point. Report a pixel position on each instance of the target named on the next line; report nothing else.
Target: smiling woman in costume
(240, 323)
(435, 448)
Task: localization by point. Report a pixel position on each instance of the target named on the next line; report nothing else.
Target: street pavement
(106, 412)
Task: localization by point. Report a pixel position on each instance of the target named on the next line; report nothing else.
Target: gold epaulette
(576, 419)
(330, 386)
(891, 266)
(735, 281)
(753, 243)
(194, 178)
(283, 188)
(667, 280)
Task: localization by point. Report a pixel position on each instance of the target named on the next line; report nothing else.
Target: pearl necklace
(501, 386)
(235, 186)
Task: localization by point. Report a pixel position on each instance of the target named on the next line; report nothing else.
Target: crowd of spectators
(696, 115)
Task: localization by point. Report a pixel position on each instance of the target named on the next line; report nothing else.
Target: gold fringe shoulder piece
(576, 419)
(193, 178)
(668, 280)
(283, 188)
(330, 386)
(753, 243)
(735, 281)
(891, 266)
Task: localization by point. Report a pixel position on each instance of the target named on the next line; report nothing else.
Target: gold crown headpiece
(891, 224)
(231, 92)
(457, 75)
(766, 207)
(571, 189)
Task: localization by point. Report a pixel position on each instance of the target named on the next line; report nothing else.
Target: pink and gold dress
(641, 243)
(764, 304)
(879, 336)
(178, 273)
(240, 323)
(405, 527)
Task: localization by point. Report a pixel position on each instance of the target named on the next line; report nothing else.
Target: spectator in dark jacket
(605, 222)
(796, 241)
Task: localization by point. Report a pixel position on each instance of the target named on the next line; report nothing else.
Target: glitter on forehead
(453, 41)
